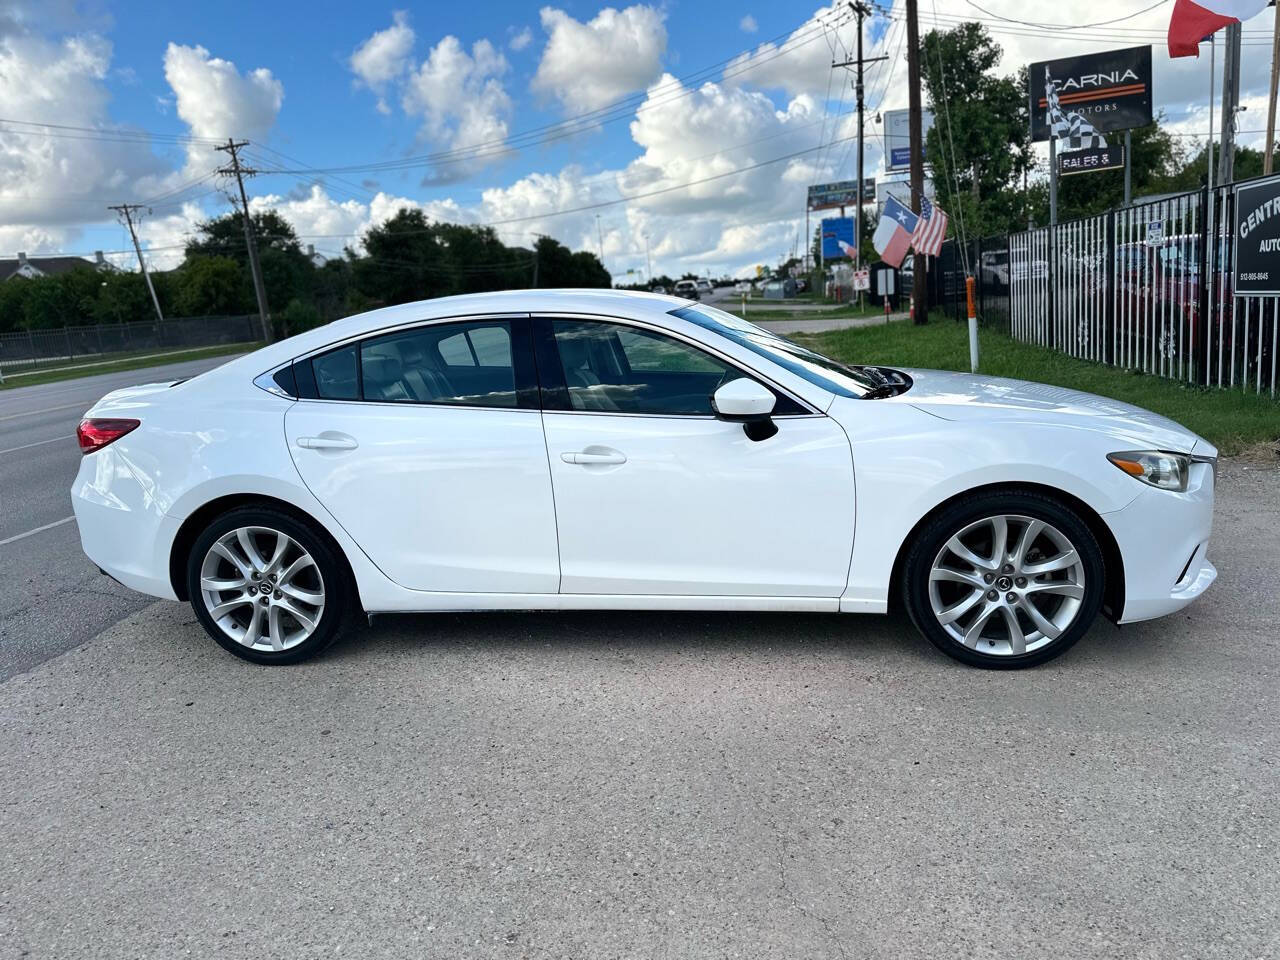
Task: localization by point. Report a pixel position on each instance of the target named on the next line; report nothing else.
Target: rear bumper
(1164, 541)
(123, 528)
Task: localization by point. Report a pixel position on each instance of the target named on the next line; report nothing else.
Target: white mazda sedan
(584, 450)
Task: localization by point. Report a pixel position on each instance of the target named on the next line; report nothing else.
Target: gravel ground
(627, 785)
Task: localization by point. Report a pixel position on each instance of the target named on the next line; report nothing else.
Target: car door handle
(585, 457)
(328, 443)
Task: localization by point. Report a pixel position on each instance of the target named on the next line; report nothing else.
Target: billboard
(836, 230)
(897, 137)
(1102, 91)
(900, 189)
(1090, 161)
(842, 193)
(1256, 271)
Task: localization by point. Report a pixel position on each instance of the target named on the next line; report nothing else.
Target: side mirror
(748, 403)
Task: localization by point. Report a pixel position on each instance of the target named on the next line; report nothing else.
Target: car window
(454, 363)
(615, 367)
(335, 374)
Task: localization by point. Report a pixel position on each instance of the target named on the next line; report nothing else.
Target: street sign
(897, 137)
(1109, 90)
(842, 193)
(862, 279)
(1257, 228)
(1155, 231)
(1091, 161)
(834, 231)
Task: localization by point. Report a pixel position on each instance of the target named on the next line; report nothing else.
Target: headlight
(1168, 471)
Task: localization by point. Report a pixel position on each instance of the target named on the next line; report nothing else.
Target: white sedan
(582, 450)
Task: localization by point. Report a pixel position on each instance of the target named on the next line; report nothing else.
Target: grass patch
(775, 310)
(74, 370)
(1230, 419)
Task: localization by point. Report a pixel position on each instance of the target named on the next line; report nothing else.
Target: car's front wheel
(267, 586)
(1004, 579)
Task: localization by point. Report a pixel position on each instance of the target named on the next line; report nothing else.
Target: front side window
(613, 367)
(454, 363)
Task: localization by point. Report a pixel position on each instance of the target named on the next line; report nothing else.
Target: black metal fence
(1144, 287)
(25, 350)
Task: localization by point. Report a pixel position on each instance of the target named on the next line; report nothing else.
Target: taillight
(95, 434)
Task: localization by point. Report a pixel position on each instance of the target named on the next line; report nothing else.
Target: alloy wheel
(262, 589)
(1007, 585)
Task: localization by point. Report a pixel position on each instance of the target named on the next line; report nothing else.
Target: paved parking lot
(625, 785)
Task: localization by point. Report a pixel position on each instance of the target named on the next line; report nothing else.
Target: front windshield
(821, 371)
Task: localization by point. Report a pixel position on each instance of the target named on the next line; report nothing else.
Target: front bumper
(1164, 542)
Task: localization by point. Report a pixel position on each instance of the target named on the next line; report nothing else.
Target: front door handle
(328, 443)
(591, 457)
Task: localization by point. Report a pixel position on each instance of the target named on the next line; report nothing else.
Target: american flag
(931, 229)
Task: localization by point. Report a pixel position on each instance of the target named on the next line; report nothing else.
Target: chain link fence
(28, 350)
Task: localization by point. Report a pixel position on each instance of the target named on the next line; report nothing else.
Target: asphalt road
(51, 597)
(643, 786)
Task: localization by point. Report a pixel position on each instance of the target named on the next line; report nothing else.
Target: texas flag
(892, 238)
(1193, 22)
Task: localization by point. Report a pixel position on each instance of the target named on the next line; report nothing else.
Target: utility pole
(1230, 105)
(234, 169)
(1270, 147)
(647, 259)
(126, 210)
(860, 11)
(600, 239)
(920, 288)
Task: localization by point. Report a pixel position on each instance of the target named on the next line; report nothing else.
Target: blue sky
(705, 93)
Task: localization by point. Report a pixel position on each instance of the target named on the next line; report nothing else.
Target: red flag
(1193, 22)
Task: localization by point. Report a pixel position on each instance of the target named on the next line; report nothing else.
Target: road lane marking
(38, 443)
(36, 413)
(32, 533)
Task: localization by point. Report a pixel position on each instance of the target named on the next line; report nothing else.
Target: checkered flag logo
(1072, 131)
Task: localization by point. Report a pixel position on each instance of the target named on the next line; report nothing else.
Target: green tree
(213, 286)
(122, 297)
(287, 272)
(980, 144)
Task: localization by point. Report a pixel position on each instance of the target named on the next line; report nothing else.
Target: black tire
(334, 578)
(938, 531)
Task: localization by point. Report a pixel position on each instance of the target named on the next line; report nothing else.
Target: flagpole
(1212, 70)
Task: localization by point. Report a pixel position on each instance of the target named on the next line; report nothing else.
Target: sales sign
(1090, 161)
(1257, 236)
(1109, 90)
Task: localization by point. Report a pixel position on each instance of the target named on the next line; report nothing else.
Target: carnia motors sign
(1257, 229)
(1103, 91)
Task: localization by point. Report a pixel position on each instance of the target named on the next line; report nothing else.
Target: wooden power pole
(1270, 147)
(126, 210)
(234, 169)
(920, 288)
(1230, 104)
(860, 10)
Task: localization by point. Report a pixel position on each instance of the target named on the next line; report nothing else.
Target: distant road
(51, 597)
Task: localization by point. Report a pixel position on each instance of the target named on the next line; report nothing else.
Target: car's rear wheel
(1004, 580)
(267, 586)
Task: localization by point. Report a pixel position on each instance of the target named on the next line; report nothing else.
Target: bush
(296, 318)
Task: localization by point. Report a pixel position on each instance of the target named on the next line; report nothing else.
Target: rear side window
(335, 374)
(458, 363)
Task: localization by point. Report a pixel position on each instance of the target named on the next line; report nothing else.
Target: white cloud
(50, 185)
(384, 57)
(591, 65)
(462, 102)
(802, 62)
(216, 100)
(748, 24)
(521, 39)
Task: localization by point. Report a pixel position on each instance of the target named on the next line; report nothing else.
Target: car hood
(973, 397)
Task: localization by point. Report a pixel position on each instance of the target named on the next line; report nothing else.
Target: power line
(1068, 26)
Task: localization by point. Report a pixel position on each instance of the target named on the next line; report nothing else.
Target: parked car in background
(687, 289)
(657, 288)
(598, 450)
(780, 289)
(704, 287)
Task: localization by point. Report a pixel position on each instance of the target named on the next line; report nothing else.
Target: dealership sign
(1105, 91)
(1091, 160)
(897, 137)
(842, 193)
(1257, 230)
